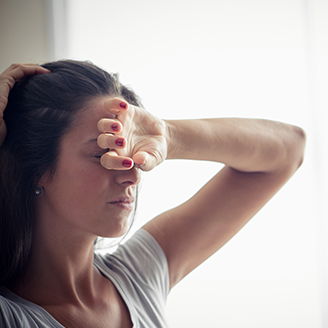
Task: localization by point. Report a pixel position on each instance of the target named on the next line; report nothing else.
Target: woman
(70, 164)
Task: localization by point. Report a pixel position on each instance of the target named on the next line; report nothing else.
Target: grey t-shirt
(139, 271)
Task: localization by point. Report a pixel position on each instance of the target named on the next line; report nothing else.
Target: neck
(60, 269)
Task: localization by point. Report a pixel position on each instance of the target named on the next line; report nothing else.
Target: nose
(128, 177)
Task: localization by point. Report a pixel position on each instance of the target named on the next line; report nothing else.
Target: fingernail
(115, 127)
(123, 105)
(119, 142)
(127, 163)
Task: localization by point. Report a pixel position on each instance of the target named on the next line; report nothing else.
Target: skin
(76, 207)
(82, 192)
(7, 80)
(259, 156)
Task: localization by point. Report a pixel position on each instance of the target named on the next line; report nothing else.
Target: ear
(44, 180)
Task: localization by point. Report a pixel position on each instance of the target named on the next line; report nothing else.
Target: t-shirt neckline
(7, 293)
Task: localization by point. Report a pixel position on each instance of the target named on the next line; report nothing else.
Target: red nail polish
(119, 142)
(115, 127)
(123, 105)
(127, 163)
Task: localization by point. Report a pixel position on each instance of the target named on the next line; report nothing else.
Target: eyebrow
(92, 143)
(91, 140)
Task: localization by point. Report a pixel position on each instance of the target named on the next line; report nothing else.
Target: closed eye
(102, 152)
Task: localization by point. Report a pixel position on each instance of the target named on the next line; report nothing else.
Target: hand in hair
(7, 80)
(143, 137)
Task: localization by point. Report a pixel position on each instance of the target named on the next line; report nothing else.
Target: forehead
(85, 124)
(94, 108)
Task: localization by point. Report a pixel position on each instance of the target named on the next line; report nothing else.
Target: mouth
(123, 202)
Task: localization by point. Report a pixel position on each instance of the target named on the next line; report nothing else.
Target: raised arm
(259, 157)
(247, 145)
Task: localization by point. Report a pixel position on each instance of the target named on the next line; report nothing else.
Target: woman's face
(83, 196)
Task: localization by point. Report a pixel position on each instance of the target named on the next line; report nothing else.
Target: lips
(123, 202)
(123, 199)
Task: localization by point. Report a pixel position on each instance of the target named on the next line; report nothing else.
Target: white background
(190, 59)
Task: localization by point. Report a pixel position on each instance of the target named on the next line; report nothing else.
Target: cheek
(89, 182)
(82, 187)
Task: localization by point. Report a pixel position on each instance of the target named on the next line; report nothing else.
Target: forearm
(248, 145)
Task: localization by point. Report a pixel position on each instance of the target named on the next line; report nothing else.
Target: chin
(116, 230)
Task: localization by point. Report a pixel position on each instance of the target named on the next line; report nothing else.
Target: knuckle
(99, 126)
(105, 161)
(102, 141)
(15, 65)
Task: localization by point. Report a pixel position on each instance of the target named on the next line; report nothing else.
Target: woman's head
(40, 111)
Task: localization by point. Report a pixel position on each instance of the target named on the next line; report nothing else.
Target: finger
(140, 158)
(116, 106)
(148, 161)
(109, 125)
(112, 161)
(14, 73)
(110, 141)
(27, 69)
(17, 71)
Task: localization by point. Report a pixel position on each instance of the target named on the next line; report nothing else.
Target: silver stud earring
(38, 191)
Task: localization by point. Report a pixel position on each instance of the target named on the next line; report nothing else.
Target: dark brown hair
(40, 110)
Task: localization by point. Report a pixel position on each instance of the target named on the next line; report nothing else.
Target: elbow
(294, 148)
(288, 153)
(301, 144)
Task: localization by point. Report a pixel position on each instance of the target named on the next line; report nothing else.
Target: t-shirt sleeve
(140, 271)
(18, 315)
(146, 261)
(11, 315)
(6, 316)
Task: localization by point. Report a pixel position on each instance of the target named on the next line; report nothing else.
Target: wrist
(170, 133)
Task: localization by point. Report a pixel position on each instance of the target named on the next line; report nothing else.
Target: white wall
(23, 32)
(208, 58)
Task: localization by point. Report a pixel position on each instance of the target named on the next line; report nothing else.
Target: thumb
(145, 161)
